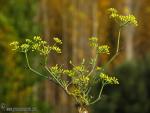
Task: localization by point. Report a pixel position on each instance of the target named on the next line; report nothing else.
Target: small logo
(3, 106)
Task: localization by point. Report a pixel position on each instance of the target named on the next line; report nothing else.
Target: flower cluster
(56, 69)
(99, 48)
(108, 80)
(37, 38)
(24, 47)
(121, 19)
(76, 71)
(103, 49)
(79, 69)
(55, 48)
(57, 40)
(82, 81)
(15, 45)
(36, 44)
(93, 41)
(69, 73)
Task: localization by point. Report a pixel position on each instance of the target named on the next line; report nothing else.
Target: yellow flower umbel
(107, 79)
(57, 40)
(122, 19)
(99, 48)
(36, 44)
(15, 45)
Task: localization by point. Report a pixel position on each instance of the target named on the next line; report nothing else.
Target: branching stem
(100, 93)
(33, 70)
(54, 77)
(103, 68)
(94, 65)
(116, 53)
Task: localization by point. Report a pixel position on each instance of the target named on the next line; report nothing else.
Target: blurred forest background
(74, 21)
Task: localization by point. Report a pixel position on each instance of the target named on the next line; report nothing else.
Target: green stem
(99, 96)
(94, 65)
(54, 77)
(46, 59)
(36, 72)
(118, 40)
(122, 25)
(117, 51)
(114, 56)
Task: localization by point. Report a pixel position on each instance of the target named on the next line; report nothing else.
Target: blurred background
(74, 21)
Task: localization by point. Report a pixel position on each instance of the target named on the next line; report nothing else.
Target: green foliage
(80, 78)
(17, 20)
